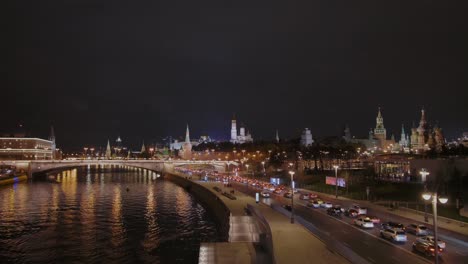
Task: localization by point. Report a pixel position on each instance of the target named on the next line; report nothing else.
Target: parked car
(393, 225)
(288, 195)
(364, 222)
(265, 194)
(326, 205)
(430, 239)
(351, 213)
(425, 248)
(304, 196)
(418, 230)
(313, 204)
(393, 234)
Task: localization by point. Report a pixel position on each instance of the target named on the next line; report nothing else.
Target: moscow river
(105, 215)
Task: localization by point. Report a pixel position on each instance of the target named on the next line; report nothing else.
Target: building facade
(243, 136)
(12, 148)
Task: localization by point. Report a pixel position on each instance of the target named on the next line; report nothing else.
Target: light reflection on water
(87, 215)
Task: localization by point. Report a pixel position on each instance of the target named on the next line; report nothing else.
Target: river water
(101, 215)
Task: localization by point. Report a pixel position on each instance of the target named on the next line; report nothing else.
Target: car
(364, 222)
(304, 196)
(359, 209)
(425, 248)
(277, 191)
(351, 213)
(336, 211)
(430, 239)
(287, 195)
(313, 204)
(393, 225)
(319, 201)
(265, 194)
(374, 219)
(326, 205)
(418, 230)
(313, 196)
(394, 234)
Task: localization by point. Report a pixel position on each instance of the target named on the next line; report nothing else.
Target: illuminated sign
(332, 181)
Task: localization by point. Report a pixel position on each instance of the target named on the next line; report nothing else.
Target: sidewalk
(292, 243)
(444, 223)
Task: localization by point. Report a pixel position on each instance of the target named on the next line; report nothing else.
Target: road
(364, 242)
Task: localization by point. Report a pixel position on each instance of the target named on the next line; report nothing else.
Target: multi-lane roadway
(366, 243)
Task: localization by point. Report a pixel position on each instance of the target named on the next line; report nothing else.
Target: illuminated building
(306, 138)
(12, 148)
(242, 137)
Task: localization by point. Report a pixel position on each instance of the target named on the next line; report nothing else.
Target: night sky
(96, 69)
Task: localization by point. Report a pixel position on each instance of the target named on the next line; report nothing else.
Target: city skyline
(143, 71)
(224, 135)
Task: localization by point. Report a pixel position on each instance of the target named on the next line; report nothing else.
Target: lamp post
(263, 164)
(292, 196)
(247, 166)
(424, 174)
(427, 196)
(336, 180)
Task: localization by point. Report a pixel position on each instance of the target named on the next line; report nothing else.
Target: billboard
(332, 181)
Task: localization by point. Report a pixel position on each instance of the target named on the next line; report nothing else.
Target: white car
(364, 222)
(395, 235)
(430, 239)
(313, 204)
(359, 209)
(265, 194)
(326, 205)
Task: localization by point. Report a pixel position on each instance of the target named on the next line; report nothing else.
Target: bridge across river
(35, 166)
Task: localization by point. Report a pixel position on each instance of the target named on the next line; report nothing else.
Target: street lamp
(427, 196)
(292, 196)
(263, 164)
(336, 180)
(424, 174)
(247, 166)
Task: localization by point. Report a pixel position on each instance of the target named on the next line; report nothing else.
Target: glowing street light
(292, 196)
(263, 164)
(336, 180)
(442, 199)
(424, 174)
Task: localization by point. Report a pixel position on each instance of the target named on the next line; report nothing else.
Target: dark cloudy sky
(143, 69)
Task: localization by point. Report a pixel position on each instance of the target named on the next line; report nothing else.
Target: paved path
(292, 243)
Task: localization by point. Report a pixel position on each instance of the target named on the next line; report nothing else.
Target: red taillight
(431, 249)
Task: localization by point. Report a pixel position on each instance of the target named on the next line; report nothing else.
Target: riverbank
(13, 179)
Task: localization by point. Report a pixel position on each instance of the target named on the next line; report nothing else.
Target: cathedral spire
(108, 150)
(187, 135)
(52, 138)
(143, 148)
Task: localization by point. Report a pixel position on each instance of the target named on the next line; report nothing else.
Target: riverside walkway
(291, 243)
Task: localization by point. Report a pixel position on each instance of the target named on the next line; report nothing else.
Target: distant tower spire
(187, 135)
(277, 136)
(108, 150)
(380, 132)
(143, 148)
(52, 138)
